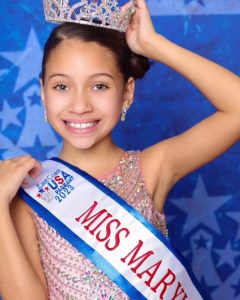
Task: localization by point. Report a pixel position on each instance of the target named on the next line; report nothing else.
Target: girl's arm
(167, 162)
(21, 275)
(180, 155)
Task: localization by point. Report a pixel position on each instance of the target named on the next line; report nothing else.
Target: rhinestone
(87, 12)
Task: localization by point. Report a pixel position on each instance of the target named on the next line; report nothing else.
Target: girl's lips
(81, 126)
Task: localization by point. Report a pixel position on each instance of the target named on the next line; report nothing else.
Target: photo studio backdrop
(203, 209)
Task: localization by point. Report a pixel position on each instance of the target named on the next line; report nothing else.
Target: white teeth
(80, 125)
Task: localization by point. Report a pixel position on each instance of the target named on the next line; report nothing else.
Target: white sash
(111, 233)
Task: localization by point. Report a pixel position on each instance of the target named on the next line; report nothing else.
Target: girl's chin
(78, 144)
(81, 146)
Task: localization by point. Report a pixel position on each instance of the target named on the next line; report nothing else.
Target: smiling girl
(87, 85)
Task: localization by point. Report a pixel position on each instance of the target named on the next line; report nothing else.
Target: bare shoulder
(24, 223)
(21, 214)
(18, 205)
(156, 172)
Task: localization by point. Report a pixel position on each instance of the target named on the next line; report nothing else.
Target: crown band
(105, 14)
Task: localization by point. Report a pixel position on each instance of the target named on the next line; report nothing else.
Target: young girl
(87, 86)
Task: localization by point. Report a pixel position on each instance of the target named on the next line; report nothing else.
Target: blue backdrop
(203, 209)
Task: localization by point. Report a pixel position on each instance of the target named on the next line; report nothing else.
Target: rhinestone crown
(100, 13)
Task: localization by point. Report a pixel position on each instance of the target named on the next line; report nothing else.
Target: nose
(80, 103)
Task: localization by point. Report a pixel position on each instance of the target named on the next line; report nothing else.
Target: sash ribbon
(112, 234)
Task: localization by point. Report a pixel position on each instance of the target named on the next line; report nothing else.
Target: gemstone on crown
(100, 13)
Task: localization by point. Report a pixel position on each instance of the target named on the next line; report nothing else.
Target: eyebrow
(91, 76)
(57, 74)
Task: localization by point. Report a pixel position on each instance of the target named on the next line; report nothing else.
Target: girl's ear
(42, 93)
(128, 92)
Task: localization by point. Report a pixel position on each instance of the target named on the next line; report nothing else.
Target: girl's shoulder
(19, 205)
(22, 216)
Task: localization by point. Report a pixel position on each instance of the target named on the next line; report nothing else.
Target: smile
(81, 125)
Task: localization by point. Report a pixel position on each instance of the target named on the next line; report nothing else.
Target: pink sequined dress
(69, 274)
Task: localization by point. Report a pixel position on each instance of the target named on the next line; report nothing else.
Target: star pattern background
(203, 209)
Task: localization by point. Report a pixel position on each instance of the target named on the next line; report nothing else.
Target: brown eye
(100, 86)
(60, 87)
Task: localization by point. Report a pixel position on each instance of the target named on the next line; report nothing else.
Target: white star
(9, 115)
(28, 61)
(200, 208)
(236, 217)
(227, 255)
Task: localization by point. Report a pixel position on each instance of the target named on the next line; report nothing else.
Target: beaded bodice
(69, 274)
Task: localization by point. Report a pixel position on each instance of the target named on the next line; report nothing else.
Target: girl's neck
(96, 161)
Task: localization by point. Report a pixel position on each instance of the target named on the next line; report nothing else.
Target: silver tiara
(100, 13)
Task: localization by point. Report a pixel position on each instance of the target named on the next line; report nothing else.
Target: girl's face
(84, 92)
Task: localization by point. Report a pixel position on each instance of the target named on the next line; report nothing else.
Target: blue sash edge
(77, 242)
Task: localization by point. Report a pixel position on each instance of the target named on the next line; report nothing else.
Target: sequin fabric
(69, 274)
